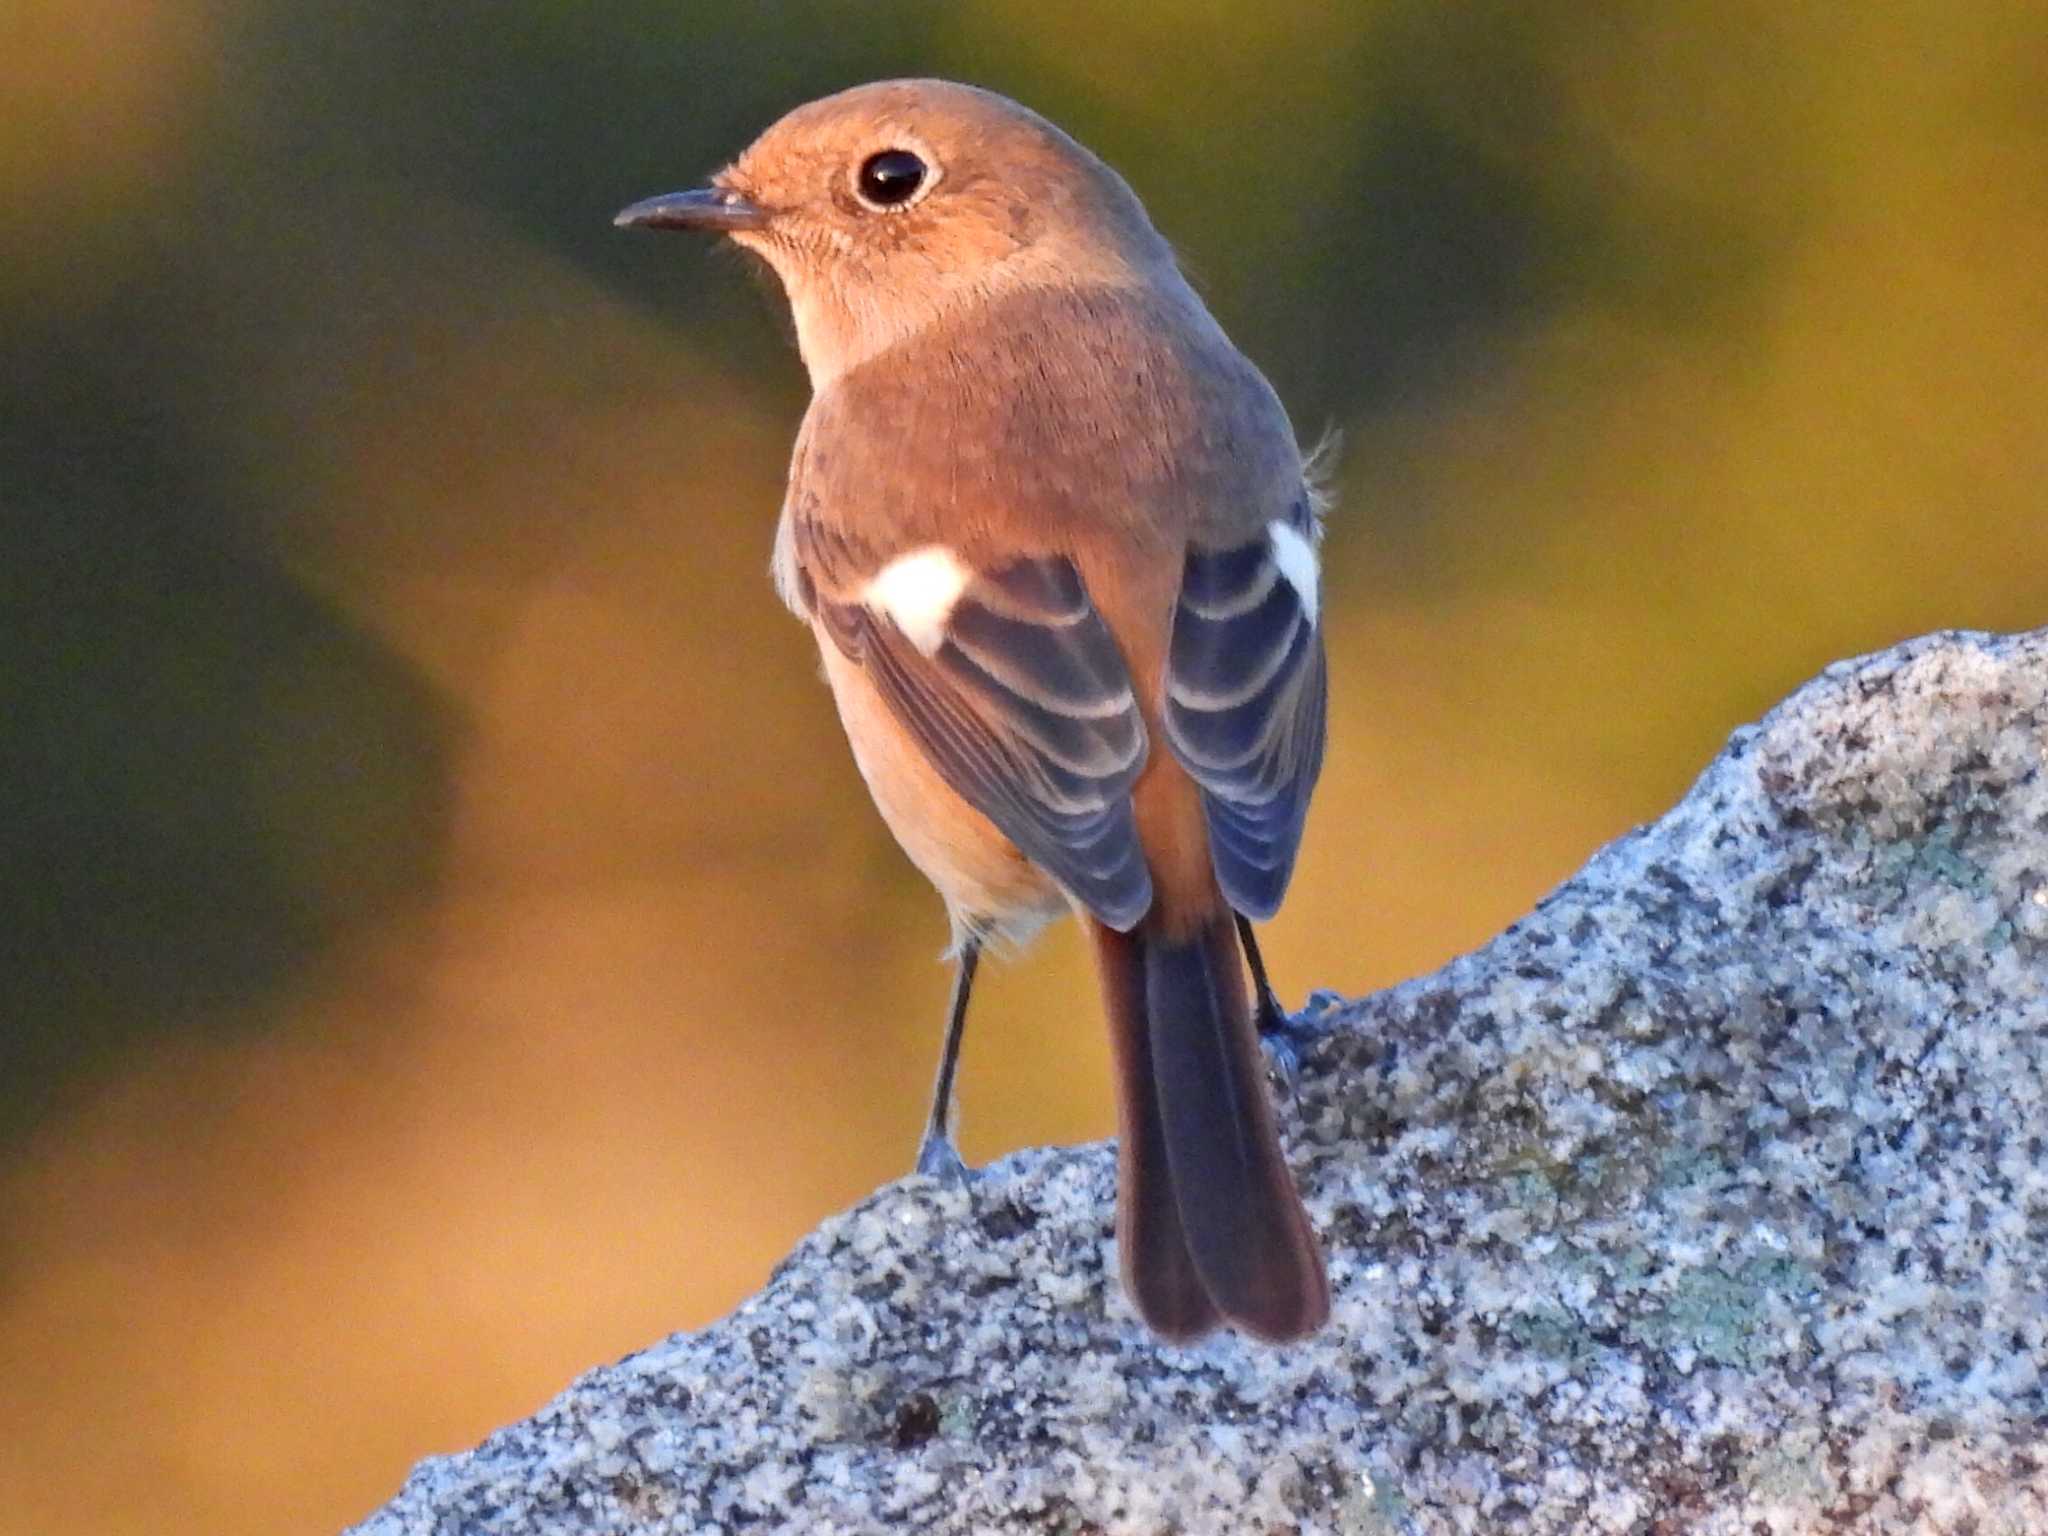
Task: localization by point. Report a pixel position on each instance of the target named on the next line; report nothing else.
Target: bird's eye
(890, 179)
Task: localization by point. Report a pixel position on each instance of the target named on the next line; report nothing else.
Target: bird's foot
(937, 1159)
(1286, 1036)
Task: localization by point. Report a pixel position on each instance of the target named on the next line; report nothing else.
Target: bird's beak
(718, 210)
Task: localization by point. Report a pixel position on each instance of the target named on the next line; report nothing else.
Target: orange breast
(978, 870)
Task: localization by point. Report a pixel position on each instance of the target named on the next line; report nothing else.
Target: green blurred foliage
(442, 938)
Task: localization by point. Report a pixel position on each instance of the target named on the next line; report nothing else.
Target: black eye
(890, 178)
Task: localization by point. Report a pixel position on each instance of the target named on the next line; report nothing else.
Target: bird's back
(1075, 420)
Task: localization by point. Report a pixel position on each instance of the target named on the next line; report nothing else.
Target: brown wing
(1023, 706)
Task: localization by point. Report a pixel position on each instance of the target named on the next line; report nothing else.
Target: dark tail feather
(1159, 1273)
(1211, 1227)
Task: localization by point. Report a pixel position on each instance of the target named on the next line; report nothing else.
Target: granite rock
(1710, 1198)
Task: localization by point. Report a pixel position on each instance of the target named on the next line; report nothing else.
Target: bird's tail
(1209, 1225)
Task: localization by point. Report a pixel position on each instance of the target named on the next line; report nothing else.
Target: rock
(1712, 1197)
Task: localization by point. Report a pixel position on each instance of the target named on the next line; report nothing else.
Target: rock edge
(1712, 1197)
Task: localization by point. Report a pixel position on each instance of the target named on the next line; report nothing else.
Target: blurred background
(443, 941)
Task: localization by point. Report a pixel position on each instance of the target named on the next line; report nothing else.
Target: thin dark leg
(935, 1154)
(1272, 1017)
(1276, 1030)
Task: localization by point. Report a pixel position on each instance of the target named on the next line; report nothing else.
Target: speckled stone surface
(1710, 1198)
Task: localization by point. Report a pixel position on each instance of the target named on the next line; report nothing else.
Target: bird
(1059, 548)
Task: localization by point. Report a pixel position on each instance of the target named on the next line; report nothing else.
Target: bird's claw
(1283, 1057)
(1285, 1038)
(937, 1159)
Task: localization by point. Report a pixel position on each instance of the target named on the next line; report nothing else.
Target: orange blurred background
(446, 942)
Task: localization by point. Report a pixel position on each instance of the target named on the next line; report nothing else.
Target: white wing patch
(1296, 558)
(785, 570)
(918, 592)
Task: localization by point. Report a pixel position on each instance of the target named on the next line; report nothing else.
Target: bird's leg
(1276, 1029)
(936, 1156)
(1271, 1016)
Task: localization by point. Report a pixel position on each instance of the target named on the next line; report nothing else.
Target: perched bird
(1057, 543)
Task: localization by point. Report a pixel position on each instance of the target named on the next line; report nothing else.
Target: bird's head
(886, 206)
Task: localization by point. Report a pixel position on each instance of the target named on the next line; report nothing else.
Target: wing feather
(1027, 712)
(1246, 701)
